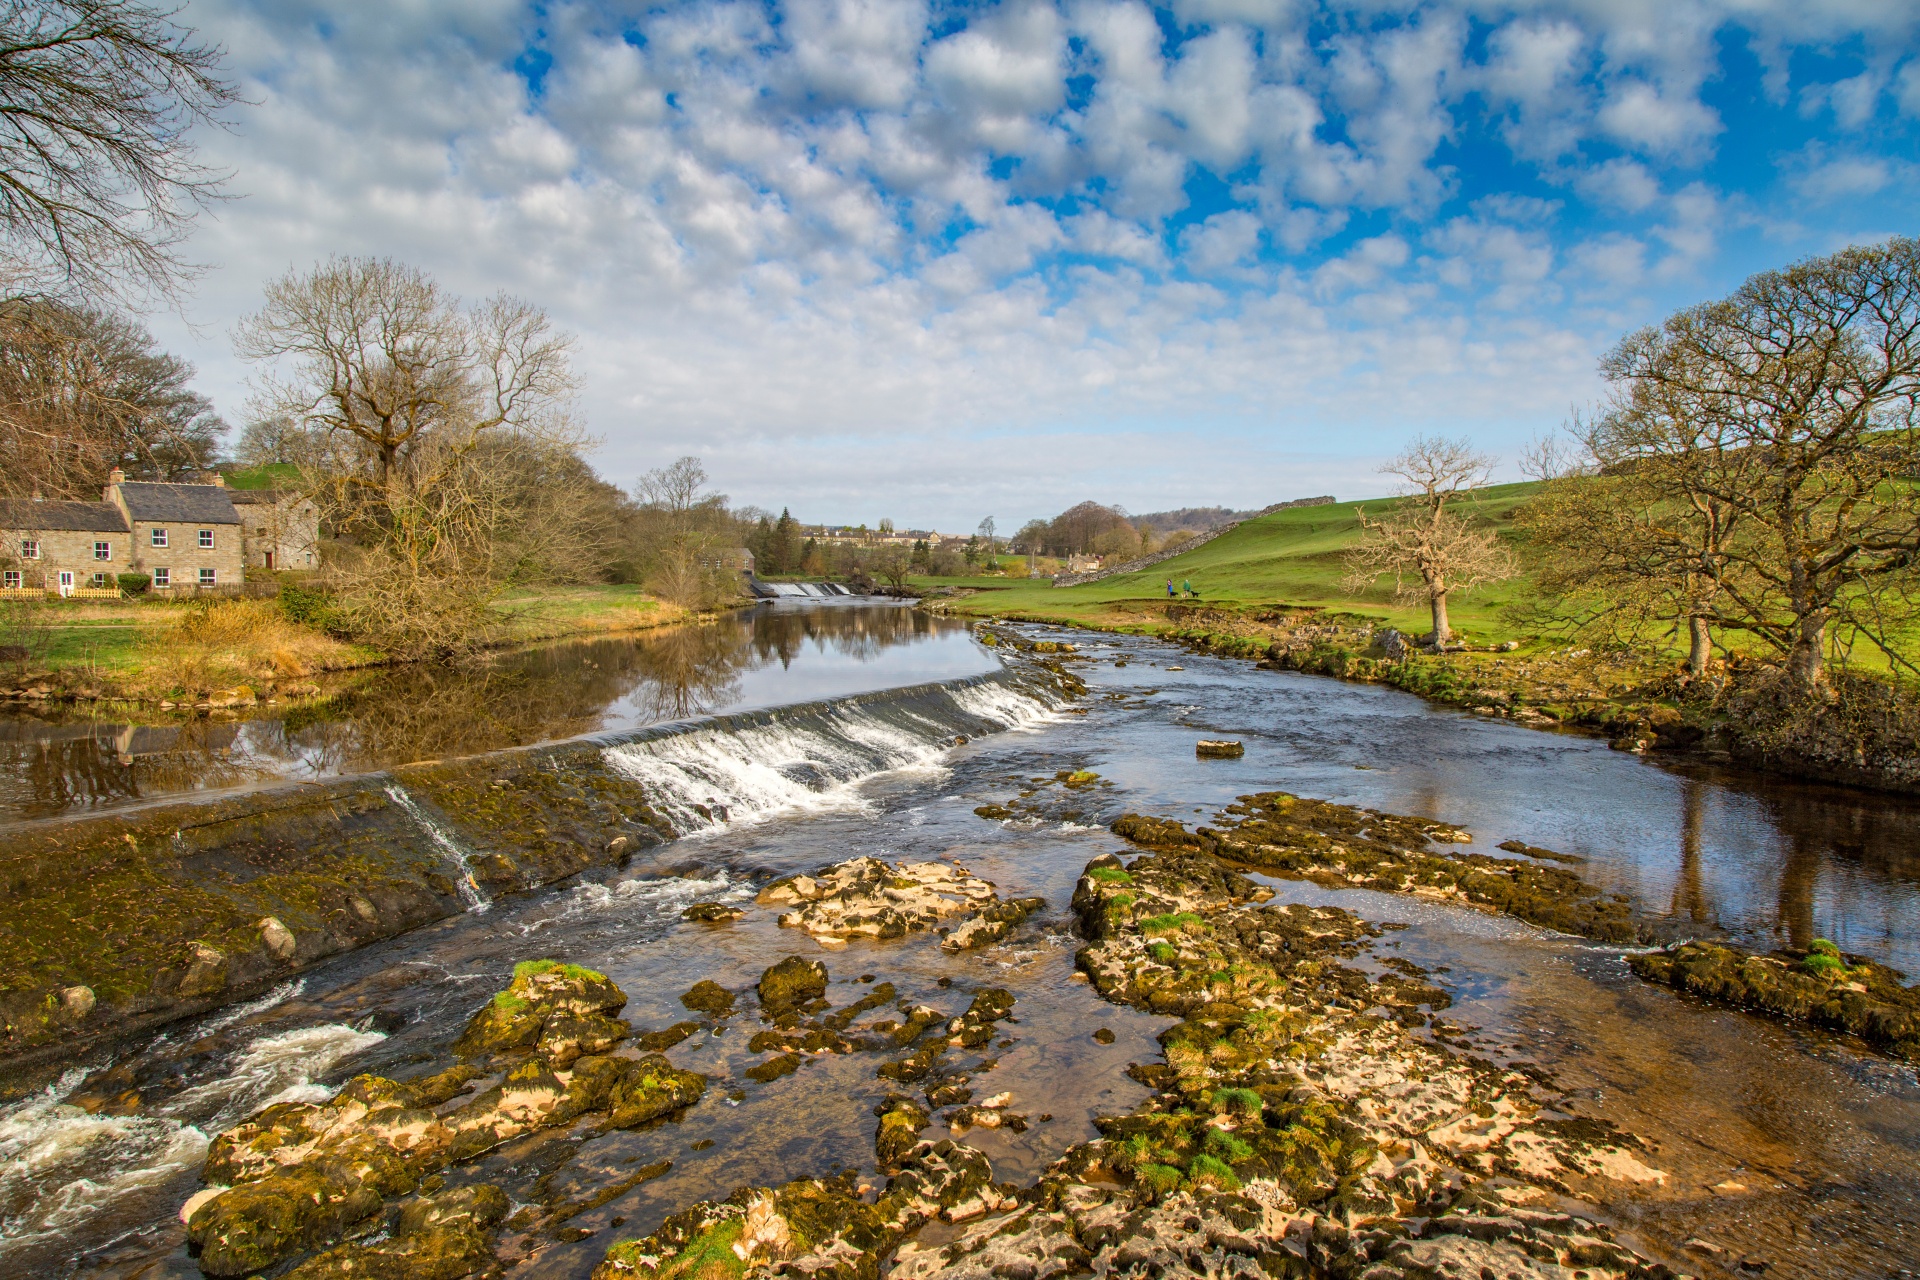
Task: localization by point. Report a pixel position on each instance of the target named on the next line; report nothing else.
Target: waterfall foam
(813, 759)
(61, 1165)
(449, 845)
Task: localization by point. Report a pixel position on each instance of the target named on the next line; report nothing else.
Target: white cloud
(1655, 122)
(848, 247)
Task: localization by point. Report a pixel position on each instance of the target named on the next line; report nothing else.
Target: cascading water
(61, 1165)
(448, 844)
(813, 760)
(810, 590)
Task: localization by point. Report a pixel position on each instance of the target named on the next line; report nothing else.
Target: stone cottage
(62, 546)
(180, 536)
(280, 529)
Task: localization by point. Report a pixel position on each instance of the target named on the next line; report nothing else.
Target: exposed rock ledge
(865, 897)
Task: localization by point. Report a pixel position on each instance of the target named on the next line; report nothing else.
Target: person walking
(1169, 588)
(1186, 585)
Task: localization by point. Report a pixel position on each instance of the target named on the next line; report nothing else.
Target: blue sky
(934, 262)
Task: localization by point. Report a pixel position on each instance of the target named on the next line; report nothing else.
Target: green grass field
(1291, 557)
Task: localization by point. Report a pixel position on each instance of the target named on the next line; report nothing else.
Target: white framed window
(163, 577)
(102, 580)
(206, 577)
(159, 537)
(29, 548)
(12, 580)
(206, 539)
(103, 551)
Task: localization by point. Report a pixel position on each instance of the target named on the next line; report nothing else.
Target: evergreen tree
(785, 552)
(760, 542)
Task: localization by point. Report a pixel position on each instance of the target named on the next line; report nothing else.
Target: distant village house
(181, 537)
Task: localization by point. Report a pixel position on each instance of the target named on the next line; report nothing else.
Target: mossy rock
(442, 1237)
(652, 1087)
(709, 997)
(792, 982)
(582, 1000)
(258, 1224)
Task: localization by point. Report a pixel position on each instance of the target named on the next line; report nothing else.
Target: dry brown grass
(231, 642)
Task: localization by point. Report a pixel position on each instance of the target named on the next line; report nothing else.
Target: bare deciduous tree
(1790, 407)
(1432, 550)
(687, 537)
(382, 354)
(97, 182)
(83, 391)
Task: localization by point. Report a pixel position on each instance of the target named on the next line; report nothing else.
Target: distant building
(182, 537)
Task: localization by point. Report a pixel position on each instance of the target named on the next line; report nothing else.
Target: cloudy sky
(941, 261)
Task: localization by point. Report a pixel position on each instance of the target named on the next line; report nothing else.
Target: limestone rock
(1218, 749)
(277, 938)
(865, 897)
(77, 1001)
(541, 990)
(712, 913)
(206, 971)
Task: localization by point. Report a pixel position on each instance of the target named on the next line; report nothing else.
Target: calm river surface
(1788, 1147)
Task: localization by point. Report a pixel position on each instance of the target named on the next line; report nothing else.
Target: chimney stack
(219, 481)
(116, 476)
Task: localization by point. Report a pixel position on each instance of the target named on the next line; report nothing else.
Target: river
(1786, 1146)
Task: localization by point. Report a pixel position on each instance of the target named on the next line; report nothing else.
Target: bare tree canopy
(97, 181)
(83, 391)
(1432, 551)
(380, 354)
(1790, 408)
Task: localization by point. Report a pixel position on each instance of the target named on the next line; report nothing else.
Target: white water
(60, 1166)
(816, 590)
(448, 844)
(709, 778)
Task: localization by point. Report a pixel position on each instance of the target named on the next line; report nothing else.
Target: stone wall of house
(183, 557)
(288, 530)
(64, 549)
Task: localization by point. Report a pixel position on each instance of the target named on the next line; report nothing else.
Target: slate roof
(248, 497)
(79, 517)
(186, 503)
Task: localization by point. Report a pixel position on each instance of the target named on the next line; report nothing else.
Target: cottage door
(66, 582)
(269, 562)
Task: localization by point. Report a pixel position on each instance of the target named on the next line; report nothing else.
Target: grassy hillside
(1290, 557)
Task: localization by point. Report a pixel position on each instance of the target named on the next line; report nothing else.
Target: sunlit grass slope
(1290, 557)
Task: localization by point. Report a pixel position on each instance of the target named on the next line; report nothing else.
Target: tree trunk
(1700, 645)
(1809, 646)
(1441, 631)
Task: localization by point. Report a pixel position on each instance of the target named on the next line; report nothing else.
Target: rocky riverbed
(1068, 999)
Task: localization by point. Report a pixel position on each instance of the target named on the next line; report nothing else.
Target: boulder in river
(708, 997)
(1218, 749)
(865, 897)
(791, 984)
(579, 1000)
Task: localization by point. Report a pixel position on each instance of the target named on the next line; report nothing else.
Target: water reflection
(1704, 850)
(769, 656)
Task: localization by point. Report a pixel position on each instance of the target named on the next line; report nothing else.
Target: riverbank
(185, 657)
(1866, 734)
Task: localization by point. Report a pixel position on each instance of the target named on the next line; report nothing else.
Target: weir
(796, 590)
(161, 911)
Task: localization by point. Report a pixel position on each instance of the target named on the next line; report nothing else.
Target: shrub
(307, 606)
(133, 584)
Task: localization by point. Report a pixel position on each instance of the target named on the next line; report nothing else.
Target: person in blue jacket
(1169, 588)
